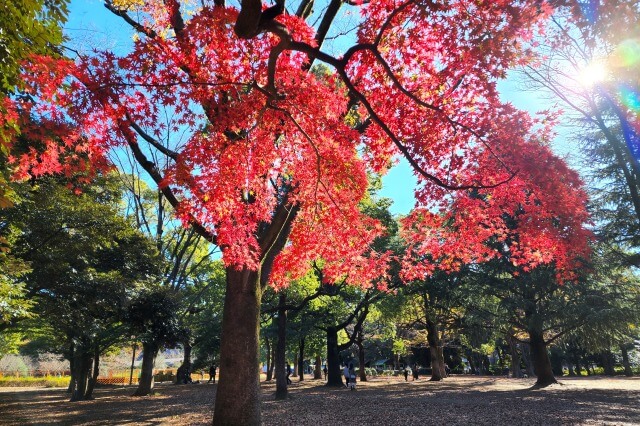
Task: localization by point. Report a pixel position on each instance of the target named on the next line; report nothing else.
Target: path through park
(382, 401)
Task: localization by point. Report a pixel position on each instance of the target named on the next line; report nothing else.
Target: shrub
(47, 382)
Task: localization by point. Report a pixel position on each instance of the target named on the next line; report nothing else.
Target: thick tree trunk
(185, 369)
(281, 350)
(82, 366)
(96, 372)
(317, 372)
(301, 359)
(443, 371)
(625, 361)
(146, 383)
(541, 362)
(528, 363)
(361, 360)
(238, 394)
(433, 338)
(334, 378)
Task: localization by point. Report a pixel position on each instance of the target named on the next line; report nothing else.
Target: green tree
(86, 262)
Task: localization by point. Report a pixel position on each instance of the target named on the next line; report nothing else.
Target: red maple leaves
(233, 142)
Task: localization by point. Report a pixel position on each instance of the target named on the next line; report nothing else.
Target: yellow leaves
(127, 4)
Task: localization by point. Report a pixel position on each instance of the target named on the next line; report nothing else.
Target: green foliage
(153, 317)
(28, 27)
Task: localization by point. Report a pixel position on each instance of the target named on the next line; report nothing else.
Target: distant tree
(84, 262)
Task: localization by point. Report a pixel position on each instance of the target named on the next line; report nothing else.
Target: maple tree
(257, 153)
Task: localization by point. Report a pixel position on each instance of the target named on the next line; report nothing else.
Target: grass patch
(47, 382)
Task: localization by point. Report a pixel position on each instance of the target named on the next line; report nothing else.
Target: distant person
(345, 372)
(352, 376)
(288, 374)
(447, 370)
(415, 372)
(406, 374)
(324, 370)
(212, 373)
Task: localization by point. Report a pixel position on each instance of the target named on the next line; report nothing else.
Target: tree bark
(96, 372)
(296, 361)
(267, 345)
(301, 360)
(317, 372)
(433, 338)
(526, 356)
(281, 349)
(443, 371)
(238, 394)
(515, 357)
(541, 362)
(72, 381)
(361, 360)
(607, 363)
(625, 361)
(146, 383)
(185, 369)
(334, 378)
(82, 366)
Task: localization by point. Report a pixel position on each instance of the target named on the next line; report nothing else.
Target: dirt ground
(460, 400)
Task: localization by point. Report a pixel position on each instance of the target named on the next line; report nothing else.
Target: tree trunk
(317, 372)
(433, 338)
(82, 366)
(361, 360)
(472, 363)
(267, 344)
(528, 363)
(607, 363)
(73, 379)
(146, 383)
(185, 369)
(281, 349)
(334, 378)
(96, 372)
(443, 371)
(301, 360)
(515, 357)
(541, 361)
(578, 368)
(238, 394)
(625, 361)
(273, 362)
(296, 361)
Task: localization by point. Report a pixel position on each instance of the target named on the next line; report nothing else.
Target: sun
(593, 73)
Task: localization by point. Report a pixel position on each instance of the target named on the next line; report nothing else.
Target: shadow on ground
(455, 401)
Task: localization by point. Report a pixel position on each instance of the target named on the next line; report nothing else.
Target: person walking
(288, 374)
(406, 373)
(212, 373)
(415, 372)
(324, 370)
(345, 372)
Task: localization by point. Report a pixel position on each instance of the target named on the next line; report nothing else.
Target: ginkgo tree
(268, 160)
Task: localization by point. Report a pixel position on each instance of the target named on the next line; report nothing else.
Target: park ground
(461, 400)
